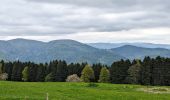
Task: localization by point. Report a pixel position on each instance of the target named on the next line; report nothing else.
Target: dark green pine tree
(62, 72)
(51, 71)
(146, 71)
(41, 72)
(17, 71)
(167, 72)
(161, 71)
(118, 71)
(52, 67)
(75, 69)
(72, 69)
(2, 67)
(8, 69)
(97, 69)
(32, 68)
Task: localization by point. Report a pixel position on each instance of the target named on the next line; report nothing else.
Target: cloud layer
(87, 21)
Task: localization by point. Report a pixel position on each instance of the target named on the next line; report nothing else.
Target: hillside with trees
(68, 50)
(150, 71)
(72, 52)
(136, 52)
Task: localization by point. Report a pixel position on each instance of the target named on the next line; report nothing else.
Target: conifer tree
(62, 72)
(40, 77)
(1, 70)
(134, 73)
(97, 69)
(118, 71)
(17, 71)
(146, 71)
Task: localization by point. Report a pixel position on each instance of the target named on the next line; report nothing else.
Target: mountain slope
(116, 45)
(134, 52)
(69, 50)
(72, 51)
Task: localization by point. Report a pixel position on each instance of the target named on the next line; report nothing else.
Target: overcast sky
(86, 20)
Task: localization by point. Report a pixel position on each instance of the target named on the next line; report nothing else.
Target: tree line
(149, 71)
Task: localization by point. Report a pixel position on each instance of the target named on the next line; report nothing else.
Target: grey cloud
(53, 17)
(120, 4)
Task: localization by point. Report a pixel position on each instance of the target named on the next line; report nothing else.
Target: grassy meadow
(80, 91)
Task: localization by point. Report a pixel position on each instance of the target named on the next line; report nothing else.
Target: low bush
(3, 76)
(73, 78)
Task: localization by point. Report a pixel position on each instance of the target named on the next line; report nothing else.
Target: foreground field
(80, 91)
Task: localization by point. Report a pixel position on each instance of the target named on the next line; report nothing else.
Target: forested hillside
(72, 51)
(149, 71)
(68, 50)
(136, 52)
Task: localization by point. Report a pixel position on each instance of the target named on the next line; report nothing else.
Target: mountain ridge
(72, 51)
(136, 52)
(69, 50)
(140, 44)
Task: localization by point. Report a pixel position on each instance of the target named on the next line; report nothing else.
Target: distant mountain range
(73, 51)
(69, 50)
(134, 52)
(115, 45)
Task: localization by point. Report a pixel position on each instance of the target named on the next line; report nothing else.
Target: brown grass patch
(156, 90)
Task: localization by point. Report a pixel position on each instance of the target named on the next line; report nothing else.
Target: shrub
(73, 78)
(3, 76)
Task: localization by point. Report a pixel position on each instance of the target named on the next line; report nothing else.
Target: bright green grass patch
(76, 91)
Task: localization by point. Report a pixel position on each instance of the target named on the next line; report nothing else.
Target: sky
(87, 21)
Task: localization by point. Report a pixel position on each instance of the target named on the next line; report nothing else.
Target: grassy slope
(74, 91)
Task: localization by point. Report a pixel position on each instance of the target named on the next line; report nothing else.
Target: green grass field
(80, 91)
